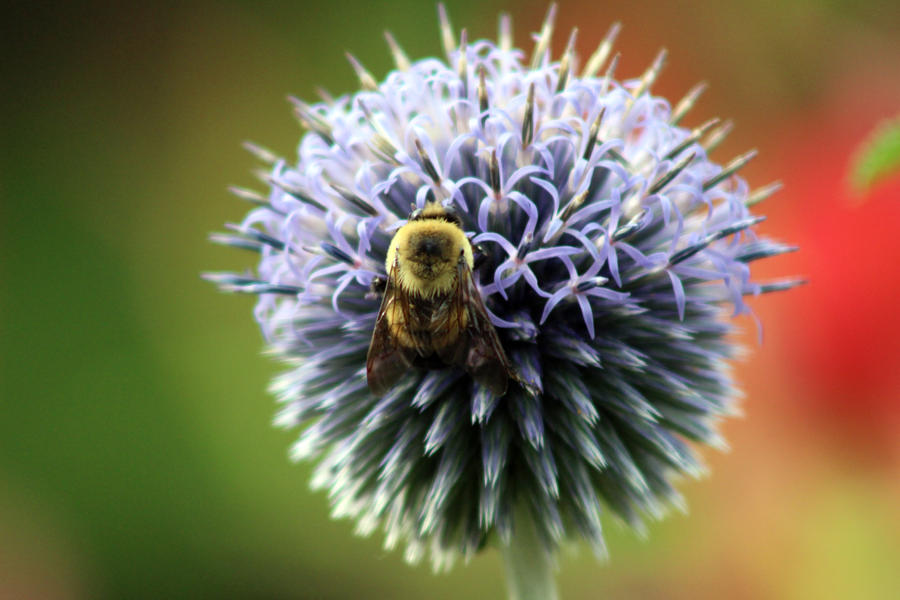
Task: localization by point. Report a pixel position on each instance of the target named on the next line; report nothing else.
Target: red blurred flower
(845, 325)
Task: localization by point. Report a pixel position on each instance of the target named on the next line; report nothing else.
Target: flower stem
(529, 566)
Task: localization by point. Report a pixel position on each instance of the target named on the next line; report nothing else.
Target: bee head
(435, 210)
(427, 251)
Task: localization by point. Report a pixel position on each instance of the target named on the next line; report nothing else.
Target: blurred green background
(137, 458)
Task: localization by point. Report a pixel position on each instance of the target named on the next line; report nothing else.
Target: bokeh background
(137, 457)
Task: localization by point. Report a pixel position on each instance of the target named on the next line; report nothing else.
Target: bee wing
(387, 361)
(479, 349)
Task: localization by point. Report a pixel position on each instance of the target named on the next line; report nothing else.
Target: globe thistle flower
(615, 248)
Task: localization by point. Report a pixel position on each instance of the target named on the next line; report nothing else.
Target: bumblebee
(432, 314)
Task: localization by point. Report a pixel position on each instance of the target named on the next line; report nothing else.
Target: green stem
(530, 568)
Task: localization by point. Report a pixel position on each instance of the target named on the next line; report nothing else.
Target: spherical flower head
(614, 250)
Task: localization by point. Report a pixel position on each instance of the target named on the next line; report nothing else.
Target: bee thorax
(430, 247)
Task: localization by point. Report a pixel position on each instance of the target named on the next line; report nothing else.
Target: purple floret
(615, 249)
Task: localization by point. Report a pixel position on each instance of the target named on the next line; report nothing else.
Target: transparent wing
(479, 349)
(387, 361)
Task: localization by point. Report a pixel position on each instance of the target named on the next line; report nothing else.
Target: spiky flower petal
(614, 245)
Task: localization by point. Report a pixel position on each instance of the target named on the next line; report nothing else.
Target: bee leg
(377, 287)
(479, 256)
(530, 389)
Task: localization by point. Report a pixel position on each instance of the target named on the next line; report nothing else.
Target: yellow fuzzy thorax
(426, 276)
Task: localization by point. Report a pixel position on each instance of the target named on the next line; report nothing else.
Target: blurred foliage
(878, 158)
(137, 457)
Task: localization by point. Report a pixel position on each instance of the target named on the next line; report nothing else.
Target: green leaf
(878, 157)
